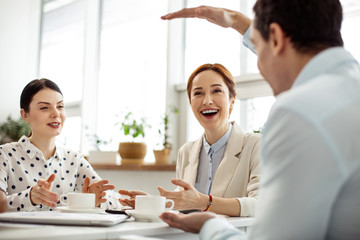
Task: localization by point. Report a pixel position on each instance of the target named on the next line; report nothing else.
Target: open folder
(59, 218)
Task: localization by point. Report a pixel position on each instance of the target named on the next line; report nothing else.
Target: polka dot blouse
(22, 165)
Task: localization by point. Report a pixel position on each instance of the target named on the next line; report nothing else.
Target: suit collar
(230, 161)
(192, 168)
(236, 139)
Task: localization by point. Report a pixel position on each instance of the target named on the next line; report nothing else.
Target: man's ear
(24, 115)
(277, 38)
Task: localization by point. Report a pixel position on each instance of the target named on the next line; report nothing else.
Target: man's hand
(192, 222)
(220, 16)
(98, 188)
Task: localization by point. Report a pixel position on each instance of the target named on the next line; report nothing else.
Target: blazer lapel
(230, 161)
(191, 170)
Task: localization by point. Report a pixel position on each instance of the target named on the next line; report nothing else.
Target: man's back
(312, 154)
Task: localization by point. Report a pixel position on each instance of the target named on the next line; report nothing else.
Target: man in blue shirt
(310, 182)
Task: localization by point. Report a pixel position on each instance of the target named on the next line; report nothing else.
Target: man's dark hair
(311, 25)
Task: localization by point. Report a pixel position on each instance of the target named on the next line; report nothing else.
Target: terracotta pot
(162, 156)
(132, 152)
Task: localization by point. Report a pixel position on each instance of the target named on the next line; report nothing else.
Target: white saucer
(79, 210)
(143, 217)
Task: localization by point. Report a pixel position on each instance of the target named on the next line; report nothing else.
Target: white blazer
(238, 173)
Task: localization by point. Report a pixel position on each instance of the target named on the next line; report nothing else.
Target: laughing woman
(219, 172)
(35, 171)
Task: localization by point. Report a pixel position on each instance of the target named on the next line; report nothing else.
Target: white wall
(19, 47)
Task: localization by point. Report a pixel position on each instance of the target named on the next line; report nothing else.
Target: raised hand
(189, 198)
(192, 222)
(219, 16)
(129, 201)
(98, 188)
(40, 193)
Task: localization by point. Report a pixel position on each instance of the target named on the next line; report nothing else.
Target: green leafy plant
(132, 126)
(12, 130)
(96, 140)
(163, 130)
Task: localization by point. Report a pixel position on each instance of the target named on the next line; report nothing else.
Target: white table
(152, 229)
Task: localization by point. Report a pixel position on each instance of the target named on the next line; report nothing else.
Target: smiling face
(46, 114)
(210, 101)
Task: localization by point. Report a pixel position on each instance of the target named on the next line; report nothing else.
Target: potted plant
(162, 155)
(12, 130)
(99, 155)
(132, 152)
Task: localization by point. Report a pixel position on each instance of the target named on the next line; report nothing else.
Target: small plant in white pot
(99, 155)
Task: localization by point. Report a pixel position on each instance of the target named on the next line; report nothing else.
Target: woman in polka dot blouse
(34, 171)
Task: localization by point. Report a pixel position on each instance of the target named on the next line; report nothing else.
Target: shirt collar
(219, 143)
(322, 62)
(31, 150)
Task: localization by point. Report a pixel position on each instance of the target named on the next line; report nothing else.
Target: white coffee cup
(78, 200)
(151, 204)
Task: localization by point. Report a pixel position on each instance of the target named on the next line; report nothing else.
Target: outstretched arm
(188, 222)
(190, 198)
(220, 16)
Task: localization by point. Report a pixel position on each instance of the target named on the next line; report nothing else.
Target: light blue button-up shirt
(310, 157)
(209, 160)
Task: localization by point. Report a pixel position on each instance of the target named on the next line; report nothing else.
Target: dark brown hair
(34, 87)
(311, 25)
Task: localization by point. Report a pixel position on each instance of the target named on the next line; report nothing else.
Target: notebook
(60, 218)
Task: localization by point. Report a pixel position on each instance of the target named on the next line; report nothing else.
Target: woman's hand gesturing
(189, 198)
(98, 188)
(40, 193)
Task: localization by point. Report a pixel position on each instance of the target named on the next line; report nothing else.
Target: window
(61, 59)
(208, 43)
(112, 56)
(254, 112)
(351, 21)
(133, 67)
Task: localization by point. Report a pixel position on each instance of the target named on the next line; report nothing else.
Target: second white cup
(78, 200)
(151, 204)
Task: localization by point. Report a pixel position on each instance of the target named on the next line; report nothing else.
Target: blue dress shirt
(209, 160)
(310, 187)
